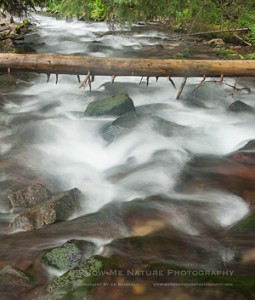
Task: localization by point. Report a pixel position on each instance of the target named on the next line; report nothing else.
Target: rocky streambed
(124, 192)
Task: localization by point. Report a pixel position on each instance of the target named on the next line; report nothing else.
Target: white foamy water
(70, 148)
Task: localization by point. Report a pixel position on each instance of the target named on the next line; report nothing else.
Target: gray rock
(29, 196)
(116, 105)
(239, 106)
(124, 124)
(58, 208)
(249, 146)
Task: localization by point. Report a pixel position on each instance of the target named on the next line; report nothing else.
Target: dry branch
(220, 31)
(172, 82)
(181, 88)
(242, 40)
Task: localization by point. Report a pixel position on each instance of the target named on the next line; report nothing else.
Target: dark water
(45, 138)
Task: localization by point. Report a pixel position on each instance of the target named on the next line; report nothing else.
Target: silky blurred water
(45, 131)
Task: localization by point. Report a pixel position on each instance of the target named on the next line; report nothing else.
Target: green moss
(116, 105)
(67, 256)
(81, 277)
(246, 225)
(249, 56)
(26, 22)
(227, 53)
(185, 53)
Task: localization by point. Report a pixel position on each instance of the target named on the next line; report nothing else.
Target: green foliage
(19, 7)
(250, 37)
(53, 5)
(195, 15)
(98, 10)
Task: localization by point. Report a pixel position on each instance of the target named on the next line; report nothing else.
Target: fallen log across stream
(113, 66)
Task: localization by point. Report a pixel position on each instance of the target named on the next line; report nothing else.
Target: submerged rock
(29, 196)
(246, 225)
(169, 246)
(116, 105)
(124, 124)
(249, 146)
(234, 173)
(239, 106)
(68, 255)
(58, 208)
(14, 282)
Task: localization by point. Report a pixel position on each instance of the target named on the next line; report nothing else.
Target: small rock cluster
(11, 31)
(42, 207)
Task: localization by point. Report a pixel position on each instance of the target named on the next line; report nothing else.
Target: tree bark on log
(101, 66)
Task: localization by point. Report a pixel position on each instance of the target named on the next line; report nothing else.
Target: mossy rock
(81, 277)
(116, 105)
(68, 255)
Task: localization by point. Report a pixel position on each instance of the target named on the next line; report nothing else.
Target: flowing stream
(45, 137)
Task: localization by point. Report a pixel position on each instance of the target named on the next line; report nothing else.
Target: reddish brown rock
(57, 208)
(30, 196)
(234, 173)
(13, 283)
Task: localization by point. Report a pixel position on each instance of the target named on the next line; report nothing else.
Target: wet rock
(249, 146)
(81, 276)
(167, 246)
(124, 124)
(30, 196)
(23, 48)
(68, 255)
(239, 106)
(13, 283)
(58, 208)
(116, 105)
(234, 173)
(245, 225)
(153, 213)
(243, 157)
(6, 45)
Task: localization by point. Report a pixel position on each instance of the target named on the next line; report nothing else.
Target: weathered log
(81, 65)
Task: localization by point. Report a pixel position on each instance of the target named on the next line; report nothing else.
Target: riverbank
(166, 42)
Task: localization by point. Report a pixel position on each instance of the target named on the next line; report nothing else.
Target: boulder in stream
(29, 196)
(58, 208)
(124, 124)
(82, 276)
(250, 145)
(239, 106)
(68, 255)
(116, 105)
